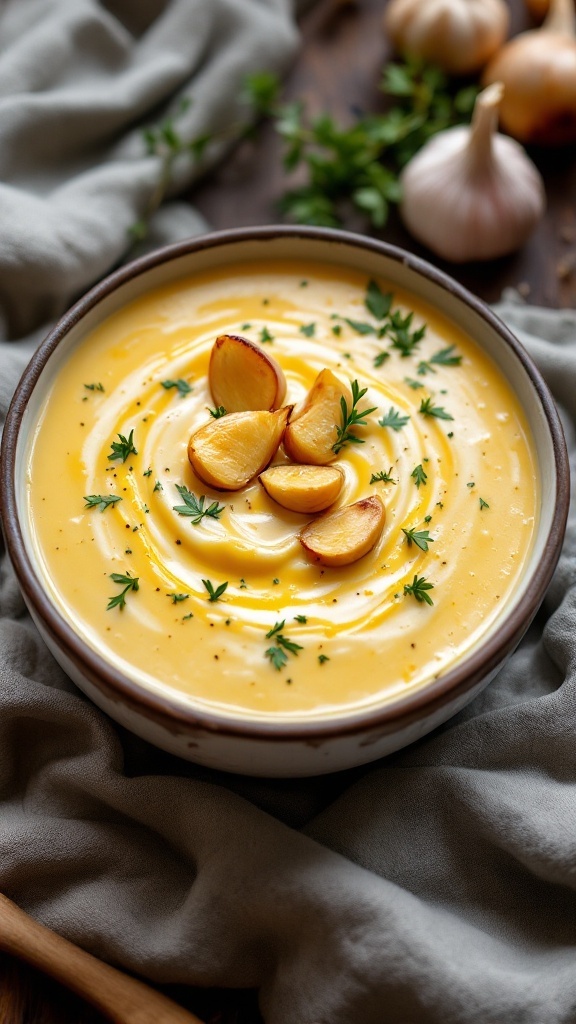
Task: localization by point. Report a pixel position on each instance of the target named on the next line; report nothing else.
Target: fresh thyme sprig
(218, 412)
(193, 507)
(419, 589)
(360, 164)
(128, 582)
(94, 387)
(101, 501)
(277, 653)
(351, 418)
(123, 448)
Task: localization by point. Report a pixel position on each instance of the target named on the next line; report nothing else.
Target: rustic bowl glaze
(285, 748)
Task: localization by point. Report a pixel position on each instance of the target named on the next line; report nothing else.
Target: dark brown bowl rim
(390, 717)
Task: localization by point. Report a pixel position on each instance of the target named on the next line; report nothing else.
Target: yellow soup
(228, 610)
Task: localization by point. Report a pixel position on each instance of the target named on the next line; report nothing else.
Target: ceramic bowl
(284, 747)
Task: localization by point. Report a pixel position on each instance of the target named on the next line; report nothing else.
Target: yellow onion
(538, 8)
(538, 71)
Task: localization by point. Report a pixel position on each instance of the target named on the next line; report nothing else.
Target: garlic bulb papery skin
(538, 70)
(471, 193)
(459, 36)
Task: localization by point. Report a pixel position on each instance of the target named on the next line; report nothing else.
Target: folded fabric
(436, 886)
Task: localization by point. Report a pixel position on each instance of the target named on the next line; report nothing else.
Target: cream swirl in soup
(213, 596)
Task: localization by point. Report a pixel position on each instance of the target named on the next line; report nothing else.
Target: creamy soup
(222, 605)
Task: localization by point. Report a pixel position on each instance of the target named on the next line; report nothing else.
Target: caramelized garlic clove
(303, 488)
(228, 452)
(243, 377)
(311, 433)
(342, 537)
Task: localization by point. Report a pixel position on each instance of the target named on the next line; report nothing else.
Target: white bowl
(281, 746)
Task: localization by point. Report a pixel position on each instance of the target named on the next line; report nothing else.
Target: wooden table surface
(338, 69)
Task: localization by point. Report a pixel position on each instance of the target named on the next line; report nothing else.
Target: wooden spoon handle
(121, 998)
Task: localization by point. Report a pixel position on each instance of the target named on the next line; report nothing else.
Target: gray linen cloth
(435, 887)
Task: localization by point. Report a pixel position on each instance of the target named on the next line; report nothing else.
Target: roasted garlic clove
(311, 434)
(228, 452)
(242, 376)
(344, 536)
(303, 488)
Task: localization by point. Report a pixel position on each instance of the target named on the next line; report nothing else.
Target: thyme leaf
(123, 448)
(101, 501)
(419, 589)
(194, 507)
(128, 582)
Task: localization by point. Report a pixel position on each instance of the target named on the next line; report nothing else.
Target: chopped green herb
(386, 478)
(128, 582)
(308, 329)
(381, 358)
(265, 335)
(243, 584)
(444, 357)
(147, 472)
(157, 486)
(414, 384)
(427, 409)
(189, 616)
(245, 327)
(194, 507)
(177, 598)
(322, 658)
(214, 594)
(301, 618)
(123, 448)
(402, 337)
(360, 326)
(94, 387)
(421, 538)
(352, 418)
(471, 484)
(337, 330)
(277, 654)
(378, 302)
(303, 284)
(394, 419)
(419, 589)
(275, 581)
(483, 504)
(101, 501)
(278, 657)
(218, 412)
(182, 386)
(420, 477)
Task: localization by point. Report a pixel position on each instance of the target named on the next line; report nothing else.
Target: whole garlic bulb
(458, 36)
(471, 193)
